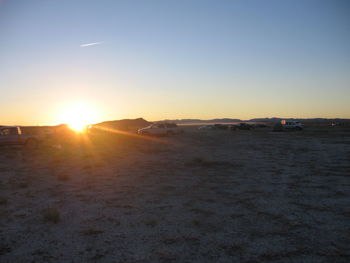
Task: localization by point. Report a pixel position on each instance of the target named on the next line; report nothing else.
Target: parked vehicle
(292, 125)
(278, 127)
(207, 127)
(260, 125)
(242, 126)
(221, 127)
(161, 129)
(214, 127)
(333, 124)
(13, 135)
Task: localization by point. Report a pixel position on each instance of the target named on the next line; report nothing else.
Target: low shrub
(51, 215)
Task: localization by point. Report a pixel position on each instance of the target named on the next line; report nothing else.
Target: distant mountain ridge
(273, 119)
(200, 121)
(125, 124)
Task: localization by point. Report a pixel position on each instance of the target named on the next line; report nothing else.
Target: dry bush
(303, 149)
(86, 167)
(201, 162)
(170, 240)
(150, 222)
(51, 215)
(90, 232)
(63, 177)
(3, 201)
(236, 216)
(202, 211)
(9, 156)
(57, 159)
(233, 249)
(278, 127)
(87, 156)
(196, 222)
(97, 256)
(99, 164)
(154, 150)
(23, 185)
(166, 256)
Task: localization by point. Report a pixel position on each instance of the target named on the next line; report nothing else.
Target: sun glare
(78, 116)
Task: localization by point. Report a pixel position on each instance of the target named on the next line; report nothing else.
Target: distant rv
(293, 125)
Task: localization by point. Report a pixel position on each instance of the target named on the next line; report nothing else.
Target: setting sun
(78, 116)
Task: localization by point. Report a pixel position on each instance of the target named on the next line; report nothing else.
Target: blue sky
(174, 59)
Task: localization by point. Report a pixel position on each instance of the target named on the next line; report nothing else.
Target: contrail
(91, 44)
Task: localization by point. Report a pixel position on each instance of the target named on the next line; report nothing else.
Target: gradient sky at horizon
(174, 59)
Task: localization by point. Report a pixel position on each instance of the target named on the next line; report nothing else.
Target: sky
(173, 59)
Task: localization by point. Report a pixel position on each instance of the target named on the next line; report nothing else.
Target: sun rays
(78, 115)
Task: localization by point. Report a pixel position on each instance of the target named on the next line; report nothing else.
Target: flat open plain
(214, 196)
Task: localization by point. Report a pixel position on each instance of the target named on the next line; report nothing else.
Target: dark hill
(125, 125)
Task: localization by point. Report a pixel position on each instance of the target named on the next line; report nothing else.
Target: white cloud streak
(91, 44)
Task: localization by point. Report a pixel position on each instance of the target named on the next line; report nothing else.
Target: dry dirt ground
(215, 196)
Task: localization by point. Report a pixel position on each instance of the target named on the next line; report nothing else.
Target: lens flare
(78, 116)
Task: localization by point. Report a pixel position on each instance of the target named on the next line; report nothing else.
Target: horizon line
(189, 119)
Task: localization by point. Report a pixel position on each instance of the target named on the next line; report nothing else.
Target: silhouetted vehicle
(333, 124)
(242, 126)
(161, 129)
(260, 125)
(278, 127)
(206, 127)
(292, 125)
(220, 127)
(11, 135)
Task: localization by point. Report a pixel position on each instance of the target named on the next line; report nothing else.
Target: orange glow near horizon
(78, 116)
(135, 135)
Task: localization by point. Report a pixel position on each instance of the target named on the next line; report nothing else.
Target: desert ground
(203, 196)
